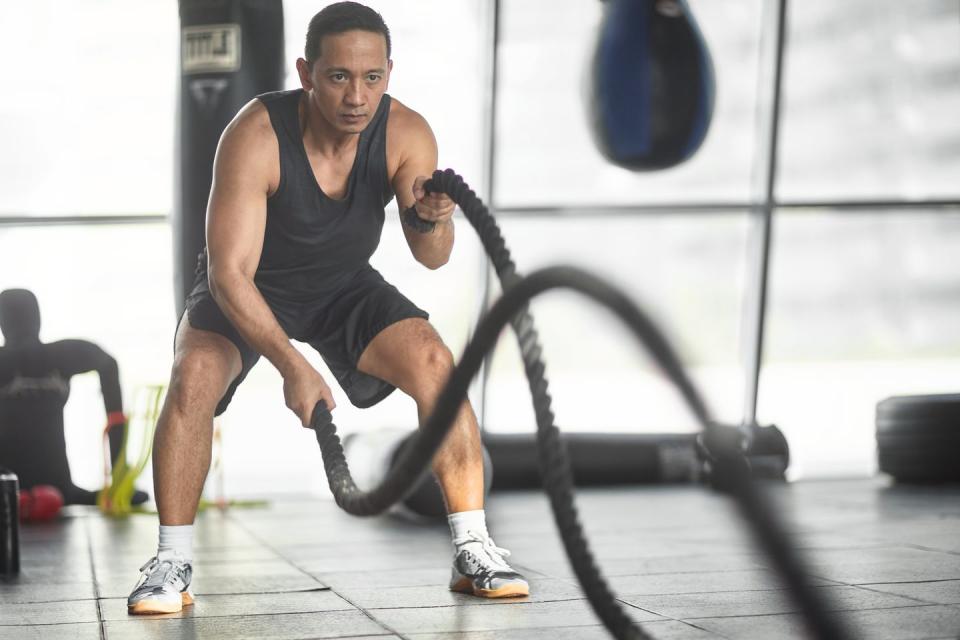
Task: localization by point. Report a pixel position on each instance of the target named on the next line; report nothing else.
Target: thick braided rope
(553, 458)
(513, 307)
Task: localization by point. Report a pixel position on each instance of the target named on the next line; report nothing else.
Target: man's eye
(338, 77)
(373, 77)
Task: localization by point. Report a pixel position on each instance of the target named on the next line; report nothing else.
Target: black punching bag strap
(653, 84)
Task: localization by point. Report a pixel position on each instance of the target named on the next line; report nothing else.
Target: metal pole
(490, 149)
(762, 228)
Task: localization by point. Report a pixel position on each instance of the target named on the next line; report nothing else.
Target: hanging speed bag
(652, 88)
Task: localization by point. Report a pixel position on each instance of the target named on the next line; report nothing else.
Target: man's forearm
(242, 303)
(431, 249)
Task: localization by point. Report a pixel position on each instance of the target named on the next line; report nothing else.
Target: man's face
(348, 79)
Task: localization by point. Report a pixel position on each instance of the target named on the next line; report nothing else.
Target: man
(34, 386)
(301, 179)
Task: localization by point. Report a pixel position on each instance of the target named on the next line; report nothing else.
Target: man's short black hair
(339, 18)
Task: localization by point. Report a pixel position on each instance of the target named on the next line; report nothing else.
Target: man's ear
(303, 70)
(389, 70)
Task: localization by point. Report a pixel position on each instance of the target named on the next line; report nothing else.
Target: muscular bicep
(418, 157)
(237, 209)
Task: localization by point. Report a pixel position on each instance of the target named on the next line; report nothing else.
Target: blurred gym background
(863, 297)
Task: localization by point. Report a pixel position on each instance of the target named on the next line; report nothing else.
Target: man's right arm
(245, 168)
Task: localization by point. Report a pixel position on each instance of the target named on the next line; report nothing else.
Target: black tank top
(313, 244)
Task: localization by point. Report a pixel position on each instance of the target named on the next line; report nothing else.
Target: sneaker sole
(464, 585)
(147, 607)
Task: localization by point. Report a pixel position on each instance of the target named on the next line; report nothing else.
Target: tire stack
(918, 438)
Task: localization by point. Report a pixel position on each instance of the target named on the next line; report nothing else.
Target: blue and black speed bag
(652, 84)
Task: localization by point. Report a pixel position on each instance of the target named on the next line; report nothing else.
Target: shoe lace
(157, 572)
(494, 553)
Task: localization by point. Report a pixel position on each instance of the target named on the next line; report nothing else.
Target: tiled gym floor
(887, 557)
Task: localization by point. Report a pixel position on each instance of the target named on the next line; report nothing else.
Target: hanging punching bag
(653, 84)
(230, 51)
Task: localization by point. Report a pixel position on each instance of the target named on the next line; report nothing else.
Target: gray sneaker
(164, 586)
(479, 569)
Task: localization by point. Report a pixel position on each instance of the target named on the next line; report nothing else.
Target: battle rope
(722, 445)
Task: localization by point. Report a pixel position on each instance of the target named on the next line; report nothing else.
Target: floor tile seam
(335, 587)
(784, 589)
(691, 624)
(46, 601)
(692, 593)
(47, 624)
(373, 619)
(900, 595)
(317, 575)
(243, 593)
(630, 605)
(935, 581)
(663, 573)
(878, 559)
(678, 573)
(833, 582)
(151, 619)
(831, 611)
(476, 606)
(935, 549)
(414, 636)
(273, 549)
(5, 625)
(96, 582)
(705, 630)
(148, 619)
(504, 601)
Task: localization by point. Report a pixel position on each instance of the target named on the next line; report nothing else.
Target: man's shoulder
(251, 124)
(406, 126)
(252, 119)
(250, 141)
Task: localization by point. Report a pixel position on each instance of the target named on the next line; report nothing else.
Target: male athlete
(301, 179)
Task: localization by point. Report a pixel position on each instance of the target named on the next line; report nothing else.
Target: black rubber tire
(918, 438)
(936, 407)
(921, 439)
(937, 428)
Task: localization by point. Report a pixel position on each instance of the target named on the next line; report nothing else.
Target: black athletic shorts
(339, 327)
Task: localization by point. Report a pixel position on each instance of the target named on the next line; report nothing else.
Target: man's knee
(199, 379)
(434, 366)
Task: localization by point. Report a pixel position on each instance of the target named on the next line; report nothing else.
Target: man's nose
(354, 96)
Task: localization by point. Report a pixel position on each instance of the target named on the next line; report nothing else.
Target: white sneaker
(479, 569)
(164, 586)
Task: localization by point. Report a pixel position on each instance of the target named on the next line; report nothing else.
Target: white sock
(464, 521)
(177, 540)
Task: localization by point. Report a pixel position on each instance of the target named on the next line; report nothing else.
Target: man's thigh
(208, 365)
(400, 352)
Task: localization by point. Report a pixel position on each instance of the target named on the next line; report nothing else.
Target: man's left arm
(431, 247)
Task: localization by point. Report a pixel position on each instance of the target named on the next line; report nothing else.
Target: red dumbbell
(42, 502)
